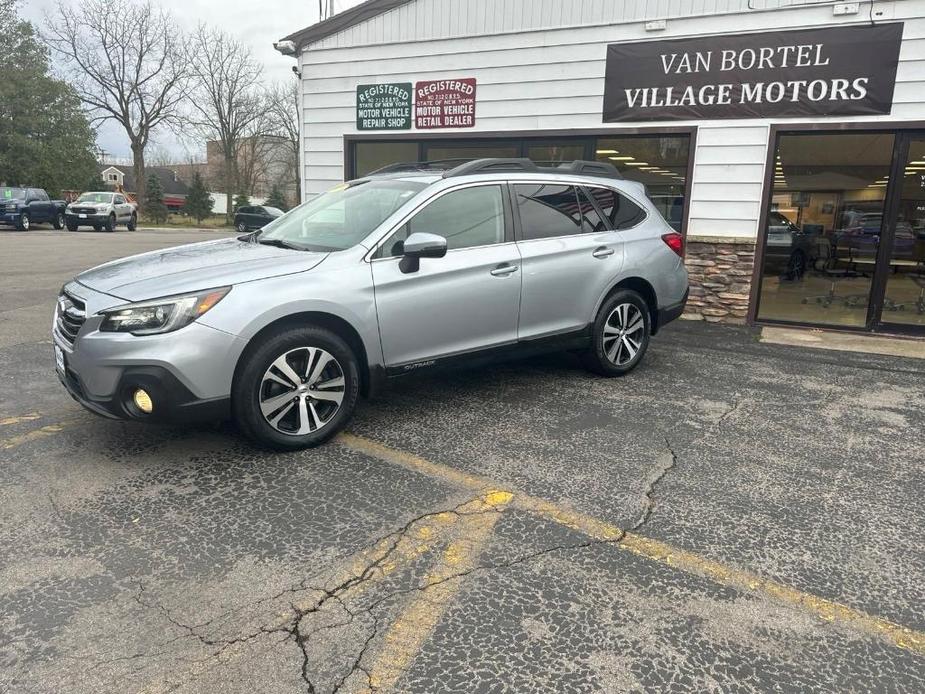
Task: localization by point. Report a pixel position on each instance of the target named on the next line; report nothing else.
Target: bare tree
(284, 112)
(126, 61)
(226, 103)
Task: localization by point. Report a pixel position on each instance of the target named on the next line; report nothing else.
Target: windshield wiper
(281, 243)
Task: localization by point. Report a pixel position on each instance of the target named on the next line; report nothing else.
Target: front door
(463, 302)
(899, 292)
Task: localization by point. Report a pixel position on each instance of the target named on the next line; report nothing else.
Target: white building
(766, 129)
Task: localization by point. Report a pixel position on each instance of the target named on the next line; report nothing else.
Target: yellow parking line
(35, 434)
(6, 421)
(411, 629)
(827, 610)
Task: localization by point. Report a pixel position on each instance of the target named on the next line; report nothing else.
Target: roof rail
(491, 166)
(591, 168)
(451, 168)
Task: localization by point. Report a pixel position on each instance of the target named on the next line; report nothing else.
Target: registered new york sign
(384, 106)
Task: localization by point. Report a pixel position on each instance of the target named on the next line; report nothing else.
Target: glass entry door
(899, 291)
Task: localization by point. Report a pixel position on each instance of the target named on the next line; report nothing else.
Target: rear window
(622, 212)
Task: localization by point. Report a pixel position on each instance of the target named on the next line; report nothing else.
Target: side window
(41, 195)
(120, 200)
(244, 210)
(465, 218)
(548, 210)
(591, 220)
(622, 212)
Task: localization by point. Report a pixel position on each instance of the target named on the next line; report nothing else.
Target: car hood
(194, 267)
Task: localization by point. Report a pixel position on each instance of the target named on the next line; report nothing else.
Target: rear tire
(58, 224)
(315, 362)
(132, 222)
(111, 222)
(620, 335)
(23, 223)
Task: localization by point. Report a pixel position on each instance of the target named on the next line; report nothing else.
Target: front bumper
(173, 402)
(9, 218)
(188, 373)
(86, 219)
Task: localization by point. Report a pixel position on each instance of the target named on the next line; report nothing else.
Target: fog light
(143, 401)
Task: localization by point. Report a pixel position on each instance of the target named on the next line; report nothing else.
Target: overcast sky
(256, 22)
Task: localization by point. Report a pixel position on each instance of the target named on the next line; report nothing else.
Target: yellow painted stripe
(35, 434)
(414, 625)
(31, 416)
(827, 610)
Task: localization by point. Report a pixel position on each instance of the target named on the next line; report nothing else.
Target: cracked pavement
(732, 516)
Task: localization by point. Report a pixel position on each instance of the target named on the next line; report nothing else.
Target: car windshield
(95, 197)
(12, 193)
(342, 217)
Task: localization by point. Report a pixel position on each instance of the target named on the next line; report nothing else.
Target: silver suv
(400, 272)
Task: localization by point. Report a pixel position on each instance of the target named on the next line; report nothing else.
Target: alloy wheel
(302, 391)
(624, 333)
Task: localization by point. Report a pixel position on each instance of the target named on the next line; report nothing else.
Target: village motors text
(746, 60)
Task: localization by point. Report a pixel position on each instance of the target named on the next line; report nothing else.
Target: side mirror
(420, 245)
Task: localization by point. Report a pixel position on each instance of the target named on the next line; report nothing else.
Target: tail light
(675, 242)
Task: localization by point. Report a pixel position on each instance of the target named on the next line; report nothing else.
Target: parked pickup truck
(23, 207)
(102, 210)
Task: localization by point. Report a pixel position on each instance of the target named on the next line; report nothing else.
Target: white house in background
(113, 176)
(784, 138)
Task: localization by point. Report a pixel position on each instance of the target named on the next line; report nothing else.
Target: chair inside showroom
(825, 264)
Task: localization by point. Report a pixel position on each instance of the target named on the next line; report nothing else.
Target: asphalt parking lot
(732, 516)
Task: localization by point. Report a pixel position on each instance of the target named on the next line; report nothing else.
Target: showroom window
(657, 160)
(823, 227)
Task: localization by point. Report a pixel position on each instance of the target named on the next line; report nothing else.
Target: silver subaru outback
(403, 271)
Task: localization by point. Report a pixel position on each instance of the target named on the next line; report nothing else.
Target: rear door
(123, 209)
(571, 255)
(466, 301)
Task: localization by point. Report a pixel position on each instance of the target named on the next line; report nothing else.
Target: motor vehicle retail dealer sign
(384, 106)
(835, 71)
(444, 104)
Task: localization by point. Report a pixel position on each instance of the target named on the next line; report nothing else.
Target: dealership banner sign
(384, 106)
(838, 71)
(444, 104)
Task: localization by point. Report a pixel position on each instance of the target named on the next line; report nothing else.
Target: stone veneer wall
(720, 272)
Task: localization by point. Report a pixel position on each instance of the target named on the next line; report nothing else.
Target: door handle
(603, 252)
(504, 270)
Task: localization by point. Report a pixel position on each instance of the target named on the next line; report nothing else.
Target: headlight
(160, 315)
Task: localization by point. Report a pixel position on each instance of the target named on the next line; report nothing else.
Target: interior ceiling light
(606, 151)
(637, 163)
(621, 158)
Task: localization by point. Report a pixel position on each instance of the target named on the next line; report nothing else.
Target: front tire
(132, 222)
(111, 222)
(242, 228)
(72, 226)
(296, 389)
(620, 335)
(24, 222)
(58, 224)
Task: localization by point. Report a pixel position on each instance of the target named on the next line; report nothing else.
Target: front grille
(83, 210)
(70, 316)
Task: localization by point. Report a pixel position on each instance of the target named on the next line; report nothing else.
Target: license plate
(59, 359)
(82, 216)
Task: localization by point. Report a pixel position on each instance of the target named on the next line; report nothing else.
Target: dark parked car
(23, 207)
(789, 248)
(255, 217)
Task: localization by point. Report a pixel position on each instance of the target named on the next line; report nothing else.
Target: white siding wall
(532, 77)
